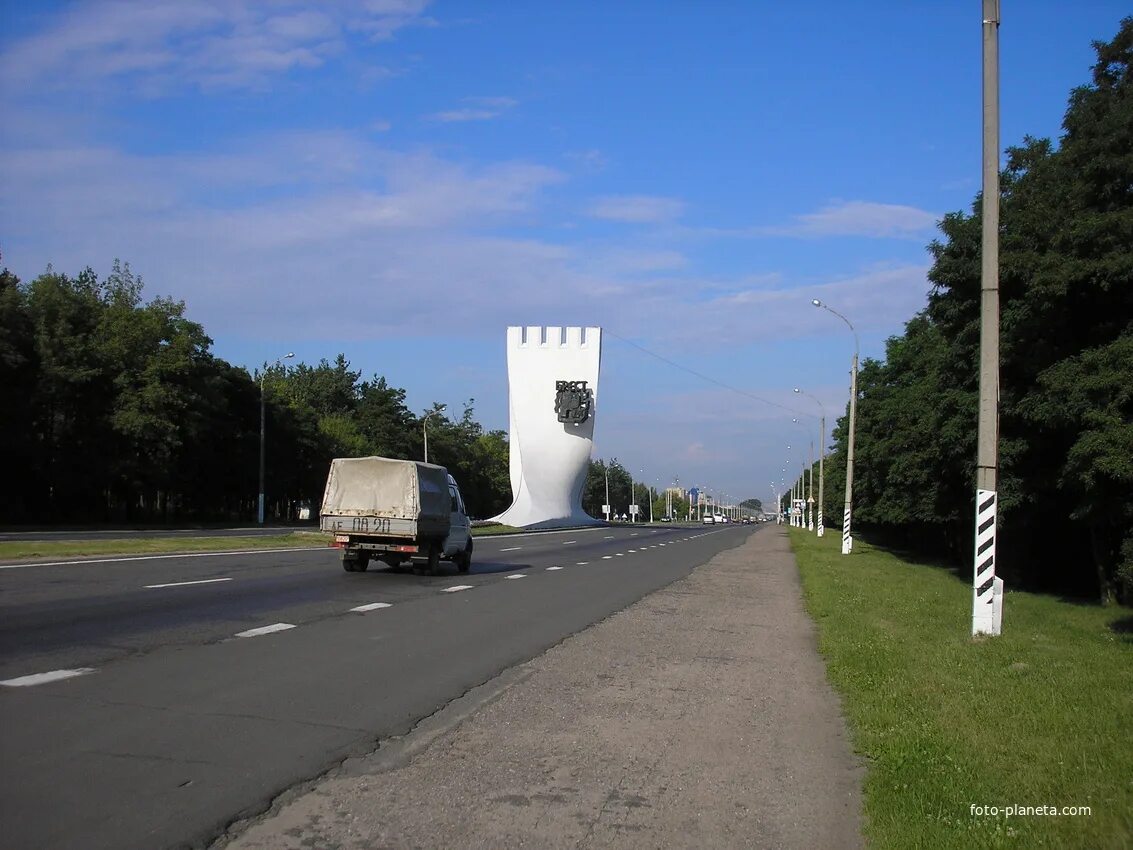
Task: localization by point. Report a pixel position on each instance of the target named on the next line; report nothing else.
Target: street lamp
(821, 457)
(847, 541)
(263, 428)
(425, 426)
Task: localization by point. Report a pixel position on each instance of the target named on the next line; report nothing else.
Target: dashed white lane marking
(607, 557)
(266, 630)
(568, 542)
(581, 563)
(632, 551)
(517, 575)
(186, 583)
(455, 588)
(44, 678)
(85, 561)
(553, 568)
(608, 537)
(620, 554)
(373, 606)
(512, 549)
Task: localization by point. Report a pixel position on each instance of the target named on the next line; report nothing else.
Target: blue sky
(401, 180)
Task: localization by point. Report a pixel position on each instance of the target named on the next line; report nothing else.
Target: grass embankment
(1040, 716)
(22, 550)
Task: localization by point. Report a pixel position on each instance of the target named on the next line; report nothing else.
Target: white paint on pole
(821, 528)
(847, 540)
(983, 581)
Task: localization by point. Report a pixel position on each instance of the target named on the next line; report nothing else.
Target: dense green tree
(1066, 288)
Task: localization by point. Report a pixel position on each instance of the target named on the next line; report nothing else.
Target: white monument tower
(553, 391)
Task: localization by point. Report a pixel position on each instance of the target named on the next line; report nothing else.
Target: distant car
(708, 520)
(666, 519)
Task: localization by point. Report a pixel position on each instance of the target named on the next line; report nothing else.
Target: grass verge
(1040, 716)
(18, 550)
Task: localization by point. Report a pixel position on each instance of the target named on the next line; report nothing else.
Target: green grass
(17, 550)
(1041, 715)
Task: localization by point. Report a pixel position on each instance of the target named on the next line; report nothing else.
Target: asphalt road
(178, 725)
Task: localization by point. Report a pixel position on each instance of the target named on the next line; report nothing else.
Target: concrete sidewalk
(698, 717)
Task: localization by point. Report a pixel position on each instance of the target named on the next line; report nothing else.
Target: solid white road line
(186, 583)
(373, 606)
(44, 678)
(456, 588)
(512, 549)
(86, 561)
(517, 575)
(266, 630)
(553, 568)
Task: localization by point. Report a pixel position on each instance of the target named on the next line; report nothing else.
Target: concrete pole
(847, 540)
(984, 582)
(263, 417)
(263, 430)
(609, 507)
(810, 492)
(821, 475)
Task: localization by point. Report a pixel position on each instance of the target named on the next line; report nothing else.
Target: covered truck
(393, 510)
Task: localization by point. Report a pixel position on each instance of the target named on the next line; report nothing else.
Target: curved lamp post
(425, 427)
(847, 540)
(821, 456)
(263, 428)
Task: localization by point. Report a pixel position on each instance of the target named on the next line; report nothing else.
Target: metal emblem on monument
(573, 400)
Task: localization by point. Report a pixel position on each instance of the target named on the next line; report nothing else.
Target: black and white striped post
(987, 590)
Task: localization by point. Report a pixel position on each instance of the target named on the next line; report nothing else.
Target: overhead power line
(708, 378)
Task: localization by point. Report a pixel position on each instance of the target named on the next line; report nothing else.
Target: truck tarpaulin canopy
(382, 486)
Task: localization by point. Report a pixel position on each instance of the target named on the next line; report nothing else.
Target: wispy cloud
(637, 209)
(476, 109)
(857, 218)
(164, 45)
(590, 160)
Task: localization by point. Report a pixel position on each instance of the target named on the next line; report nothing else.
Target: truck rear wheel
(464, 559)
(355, 563)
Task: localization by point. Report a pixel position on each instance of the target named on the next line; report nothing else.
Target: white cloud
(858, 218)
(478, 109)
(637, 209)
(590, 160)
(163, 45)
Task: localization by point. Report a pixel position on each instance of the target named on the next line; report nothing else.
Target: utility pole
(987, 590)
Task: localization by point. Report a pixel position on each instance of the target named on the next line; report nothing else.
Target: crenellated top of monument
(551, 336)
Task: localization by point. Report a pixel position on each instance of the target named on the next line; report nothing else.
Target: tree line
(115, 410)
(1066, 367)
